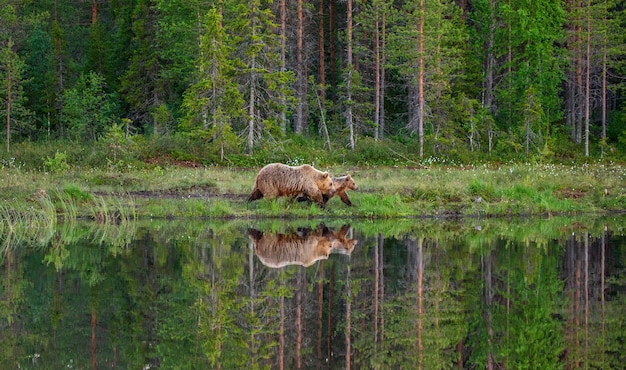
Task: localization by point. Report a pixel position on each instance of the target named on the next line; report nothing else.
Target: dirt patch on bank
(194, 192)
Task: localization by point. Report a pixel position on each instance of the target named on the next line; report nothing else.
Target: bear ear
(325, 174)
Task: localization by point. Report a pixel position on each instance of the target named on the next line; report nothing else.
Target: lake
(532, 293)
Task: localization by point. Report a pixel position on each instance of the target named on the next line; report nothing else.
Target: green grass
(384, 192)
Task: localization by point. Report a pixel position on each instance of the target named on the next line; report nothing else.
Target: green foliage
(117, 143)
(76, 193)
(57, 164)
(13, 111)
(88, 109)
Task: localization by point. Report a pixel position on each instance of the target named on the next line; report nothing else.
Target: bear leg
(344, 198)
(256, 194)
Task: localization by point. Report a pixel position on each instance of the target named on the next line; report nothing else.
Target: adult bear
(280, 180)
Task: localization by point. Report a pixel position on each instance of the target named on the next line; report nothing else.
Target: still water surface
(431, 294)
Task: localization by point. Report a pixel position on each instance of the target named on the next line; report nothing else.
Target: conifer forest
(495, 78)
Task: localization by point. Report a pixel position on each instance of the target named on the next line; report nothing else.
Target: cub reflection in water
(302, 247)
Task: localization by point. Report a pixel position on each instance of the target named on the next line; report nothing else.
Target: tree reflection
(418, 294)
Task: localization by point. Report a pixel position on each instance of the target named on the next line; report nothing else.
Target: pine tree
(426, 51)
(213, 101)
(258, 66)
(12, 69)
(142, 84)
(12, 93)
(88, 109)
(39, 79)
(529, 40)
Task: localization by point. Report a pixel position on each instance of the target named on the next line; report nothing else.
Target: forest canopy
(447, 78)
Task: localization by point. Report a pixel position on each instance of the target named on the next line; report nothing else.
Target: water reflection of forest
(531, 293)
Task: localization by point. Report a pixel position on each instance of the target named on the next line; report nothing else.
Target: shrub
(57, 164)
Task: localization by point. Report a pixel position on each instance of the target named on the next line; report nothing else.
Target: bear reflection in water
(302, 247)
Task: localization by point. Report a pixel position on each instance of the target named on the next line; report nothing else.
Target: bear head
(350, 184)
(325, 184)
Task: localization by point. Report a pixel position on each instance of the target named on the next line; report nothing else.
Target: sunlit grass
(220, 192)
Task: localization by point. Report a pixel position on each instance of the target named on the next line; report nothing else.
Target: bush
(57, 164)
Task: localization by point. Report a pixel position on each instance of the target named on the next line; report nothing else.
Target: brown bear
(342, 184)
(280, 180)
(304, 247)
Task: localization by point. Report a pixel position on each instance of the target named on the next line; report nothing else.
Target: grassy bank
(384, 192)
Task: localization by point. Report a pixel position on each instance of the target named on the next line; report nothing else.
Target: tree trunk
(420, 83)
(490, 59)
(376, 77)
(9, 77)
(301, 72)
(321, 66)
(94, 12)
(579, 82)
(381, 120)
(331, 30)
(251, 113)
(283, 61)
(349, 118)
(588, 81)
(604, 47)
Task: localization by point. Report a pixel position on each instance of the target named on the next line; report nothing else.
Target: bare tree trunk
(376, 77)
(420, 83)
(9, 98)
(323, 126)
(490, 59)
(579, 80)
(301, 72)
(94, 12)
(588, 81)
(155, 97)
(331, 30)
(251, 127)
(321, 66)
(283, 61)
(604, 67)
(349, 117)
(381, 119)
(252, 107)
